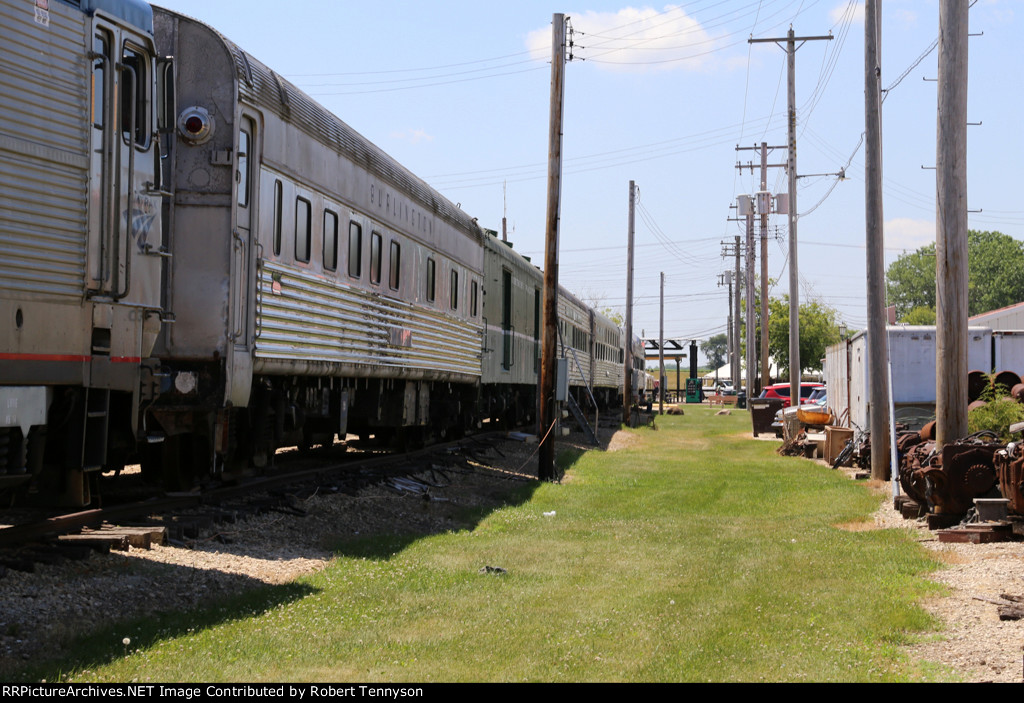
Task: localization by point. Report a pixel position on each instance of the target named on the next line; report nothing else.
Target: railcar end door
(247, 164)
(124, 211)
(507, 331)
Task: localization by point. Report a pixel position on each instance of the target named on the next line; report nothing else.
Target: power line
(408, 70)
(703, 26)
(429, 85)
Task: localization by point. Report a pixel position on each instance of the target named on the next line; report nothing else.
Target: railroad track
(140, 522)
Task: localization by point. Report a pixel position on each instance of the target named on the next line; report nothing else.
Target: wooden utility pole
(795, 367)
(726, 279)
(877, 339)
(661, 350)
(548, 411)
(627, 391)
(764, 208)
(951, 226)
(765, 365)
(751, 326)
(737, 369)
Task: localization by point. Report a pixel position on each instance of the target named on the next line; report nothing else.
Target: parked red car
(781, 390)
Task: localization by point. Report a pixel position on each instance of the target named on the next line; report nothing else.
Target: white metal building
(912, 353)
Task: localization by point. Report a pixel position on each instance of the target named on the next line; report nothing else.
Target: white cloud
(909, 234)
(837, 13)
(414, 136)
(635, 40)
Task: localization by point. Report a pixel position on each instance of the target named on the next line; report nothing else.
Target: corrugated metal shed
(1008, 318)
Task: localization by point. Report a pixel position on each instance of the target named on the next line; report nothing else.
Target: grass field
(696, 554)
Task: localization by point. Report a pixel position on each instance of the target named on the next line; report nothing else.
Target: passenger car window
(376, 244)
(355, 249)
(135, 96)
(243, 167)
(431, 279)
(302, 229)
(99, 80)
(395, 272)
(278, 204)
(330, 240)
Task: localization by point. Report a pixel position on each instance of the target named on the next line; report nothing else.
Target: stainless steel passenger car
(588, 340)
(80, 249)
(318, 286)
(217, 266)
(512, 340)
(593, 345)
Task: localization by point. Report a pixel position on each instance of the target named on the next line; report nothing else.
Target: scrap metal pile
(949, 479)
(1009, 466)
(958, 481)
(945, 483)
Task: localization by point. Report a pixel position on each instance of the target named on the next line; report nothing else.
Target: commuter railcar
(81, 102)
(195, 271)
(512, 334)
(591, 343)
(318, 286)
(642, 381)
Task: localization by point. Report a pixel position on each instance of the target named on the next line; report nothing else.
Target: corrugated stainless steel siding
(608, 374)
(315, 320)
(43, 150)
(572, 309)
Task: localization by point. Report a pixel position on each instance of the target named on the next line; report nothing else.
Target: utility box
(782, 204)
(744, 205)
(561, 380)
(693, 390)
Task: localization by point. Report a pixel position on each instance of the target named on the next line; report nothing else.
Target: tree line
(995, 280)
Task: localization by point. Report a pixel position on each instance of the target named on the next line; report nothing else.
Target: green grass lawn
(695, 555)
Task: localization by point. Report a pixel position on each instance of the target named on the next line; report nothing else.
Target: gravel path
(977, 645)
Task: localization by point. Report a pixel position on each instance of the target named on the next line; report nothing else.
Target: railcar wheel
(76, 489)
(171, 464)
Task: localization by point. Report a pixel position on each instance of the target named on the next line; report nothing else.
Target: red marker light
(195, 125)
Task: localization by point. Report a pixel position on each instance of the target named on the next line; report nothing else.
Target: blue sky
(660, 94)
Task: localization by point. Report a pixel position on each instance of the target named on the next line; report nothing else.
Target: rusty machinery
(1009, 464)
(977, 466)
(949, 480)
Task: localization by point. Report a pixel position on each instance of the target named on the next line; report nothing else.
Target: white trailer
(1008, 351)
(912, 353)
